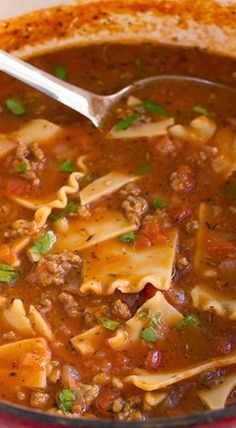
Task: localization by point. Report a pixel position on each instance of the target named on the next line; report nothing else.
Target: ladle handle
(80, 100)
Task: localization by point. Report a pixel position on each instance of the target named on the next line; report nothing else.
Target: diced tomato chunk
(18, 186)
(142, 242)
(150, 233)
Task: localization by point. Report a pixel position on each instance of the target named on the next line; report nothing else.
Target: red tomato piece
(18, 186)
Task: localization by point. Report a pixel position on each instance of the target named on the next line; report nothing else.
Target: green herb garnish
(67, 166)
(66, 398)
(201, 110)
(43, 246)
(158, 203)
(155, 319)
(154, 108)
(128, 237)
(148, 335)
(15, 106)
(145, 168)
(71, 208)
(7, 273)
(127, 122)
(60, 72)
(189, 320)
(138, 64)
(109, 324)
(22, 167)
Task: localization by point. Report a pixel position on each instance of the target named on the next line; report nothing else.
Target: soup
(118, 252)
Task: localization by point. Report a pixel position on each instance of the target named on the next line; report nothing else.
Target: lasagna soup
(117, 246)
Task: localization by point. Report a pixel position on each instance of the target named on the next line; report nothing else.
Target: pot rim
(163, 422)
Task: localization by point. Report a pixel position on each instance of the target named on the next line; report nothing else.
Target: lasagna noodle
(37, 130)
(216, 397)
(147, 130)
(199, 131)
(208, 299)
(149, 381)
(128, 334)
(100, 227)
(28, 356)
(116, 265)
(90, 341)
(104, 186)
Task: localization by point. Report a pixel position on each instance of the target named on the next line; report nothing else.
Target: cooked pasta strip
(90, 341)
(36, 131)
(199, 131)
(128, 334)
(82, 167)
(225, 161)
(110, 267)
(149, 381)
(55, 201)
(85, 233)
(154, 398)
(148, 130)
(216, 397)
(39, 324)
(104, 186)
(6, 146)
(14, 316)
(208, 299)
(28, 360)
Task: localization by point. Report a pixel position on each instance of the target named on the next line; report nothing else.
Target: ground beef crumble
(121, 310)
(53, 269)
(32, 159)
(133, 205)
(71, 306)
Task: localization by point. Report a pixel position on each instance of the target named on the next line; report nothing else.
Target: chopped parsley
(158, 203)
(128, 237)
(189, 320)
(155, 319)
(67, 166)
(61, 72)
(71, 208)
(15, 106)
(138, 64)
(127, 122)
(201, 110)
(42, 246)
(22, 167)
(145, 168)
(7, 273)
(149, 335)
(154, 108)
(109, 324)
(65, 400)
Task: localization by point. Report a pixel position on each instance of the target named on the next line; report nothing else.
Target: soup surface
(118, 250)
